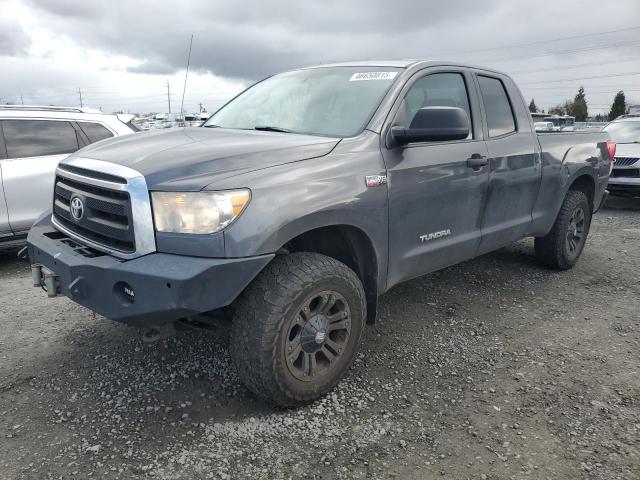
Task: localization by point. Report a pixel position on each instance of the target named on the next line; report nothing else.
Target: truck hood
(189, 159)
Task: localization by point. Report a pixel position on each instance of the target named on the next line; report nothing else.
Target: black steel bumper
(148, 290)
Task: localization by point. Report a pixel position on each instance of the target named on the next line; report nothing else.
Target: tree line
(579, 109)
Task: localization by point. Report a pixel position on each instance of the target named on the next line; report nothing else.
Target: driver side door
(436, 195)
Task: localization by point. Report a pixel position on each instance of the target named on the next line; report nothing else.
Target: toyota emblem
(77, 208)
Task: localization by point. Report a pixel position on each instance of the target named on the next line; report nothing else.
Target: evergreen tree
(557, 110)
(618, 107)
(533, 108)
(579, 107)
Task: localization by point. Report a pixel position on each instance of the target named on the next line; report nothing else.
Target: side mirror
(433, 124)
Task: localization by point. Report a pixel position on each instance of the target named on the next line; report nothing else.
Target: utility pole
(21, 100)
(168, 96)
(80, 94)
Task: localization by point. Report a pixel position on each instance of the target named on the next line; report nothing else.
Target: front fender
(292, 199)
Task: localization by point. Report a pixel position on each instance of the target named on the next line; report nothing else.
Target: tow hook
(36, 274)
(45, 278)
(23, 254)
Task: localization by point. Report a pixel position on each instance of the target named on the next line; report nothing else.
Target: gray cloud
(14, 41)
(251, 39)
(256, 38)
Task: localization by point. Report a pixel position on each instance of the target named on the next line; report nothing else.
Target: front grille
(625, 172)
(106, 219)
(625, 161)
(92, 174)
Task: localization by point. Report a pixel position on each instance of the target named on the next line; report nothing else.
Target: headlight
(197, 212)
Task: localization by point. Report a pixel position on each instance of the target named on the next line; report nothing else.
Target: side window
(496, 106)
(95, 131)
(437, 90)
(35, 138)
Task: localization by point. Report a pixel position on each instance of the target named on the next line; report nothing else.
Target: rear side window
(35, 138)
(497, 107)
(437, 90)
(95, 131)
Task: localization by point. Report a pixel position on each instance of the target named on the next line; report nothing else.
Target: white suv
(32, 142)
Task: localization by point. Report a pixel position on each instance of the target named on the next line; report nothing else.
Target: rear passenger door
(33, 150)
(514, 162)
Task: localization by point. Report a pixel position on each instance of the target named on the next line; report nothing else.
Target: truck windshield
(624, 132)
(329, 101)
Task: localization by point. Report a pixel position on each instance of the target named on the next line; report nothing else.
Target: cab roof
(407, 63)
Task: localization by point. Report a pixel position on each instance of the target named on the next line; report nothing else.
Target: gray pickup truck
(303, 199)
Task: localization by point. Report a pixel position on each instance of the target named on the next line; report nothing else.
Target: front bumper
(625, 186)
(148, 290)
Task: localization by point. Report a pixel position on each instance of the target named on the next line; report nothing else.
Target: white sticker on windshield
(356, 77)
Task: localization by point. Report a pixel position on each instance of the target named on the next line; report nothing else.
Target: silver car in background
(625, 176)
(32, 142)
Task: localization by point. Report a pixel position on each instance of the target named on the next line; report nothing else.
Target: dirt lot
(495, 368)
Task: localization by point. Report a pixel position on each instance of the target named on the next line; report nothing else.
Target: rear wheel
(563, 245)
(296, 328)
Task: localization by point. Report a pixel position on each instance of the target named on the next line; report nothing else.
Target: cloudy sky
(121, 54)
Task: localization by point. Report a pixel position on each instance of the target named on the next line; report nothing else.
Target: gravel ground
(495, 368)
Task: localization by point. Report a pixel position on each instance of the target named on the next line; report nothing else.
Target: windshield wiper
(211, 126)
(268, 128)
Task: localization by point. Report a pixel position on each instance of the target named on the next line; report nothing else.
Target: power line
(616, 85)
(568, 67)
(542, 41)
(582, 78)
(563, 52)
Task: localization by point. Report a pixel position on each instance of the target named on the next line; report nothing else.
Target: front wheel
(296, 328)
(562, 246)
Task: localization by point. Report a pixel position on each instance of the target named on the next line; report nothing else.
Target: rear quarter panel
(565, 157)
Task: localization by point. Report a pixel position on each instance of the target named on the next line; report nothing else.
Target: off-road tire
(553, 250)
(263, 315)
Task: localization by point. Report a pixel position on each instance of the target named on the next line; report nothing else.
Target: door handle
(477, 161)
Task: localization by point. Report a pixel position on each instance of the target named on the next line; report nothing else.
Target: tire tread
(550, 249)
(261, 311)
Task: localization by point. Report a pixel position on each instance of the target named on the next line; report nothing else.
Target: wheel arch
(586, 184)
(349, 245)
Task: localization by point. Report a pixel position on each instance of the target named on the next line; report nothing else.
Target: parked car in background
(562, 123)
(543, 126)
(32, 141)
(625, 176)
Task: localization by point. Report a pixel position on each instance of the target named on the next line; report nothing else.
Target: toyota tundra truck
(307, 196)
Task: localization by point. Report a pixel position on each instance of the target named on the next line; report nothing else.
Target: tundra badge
(433, 235)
